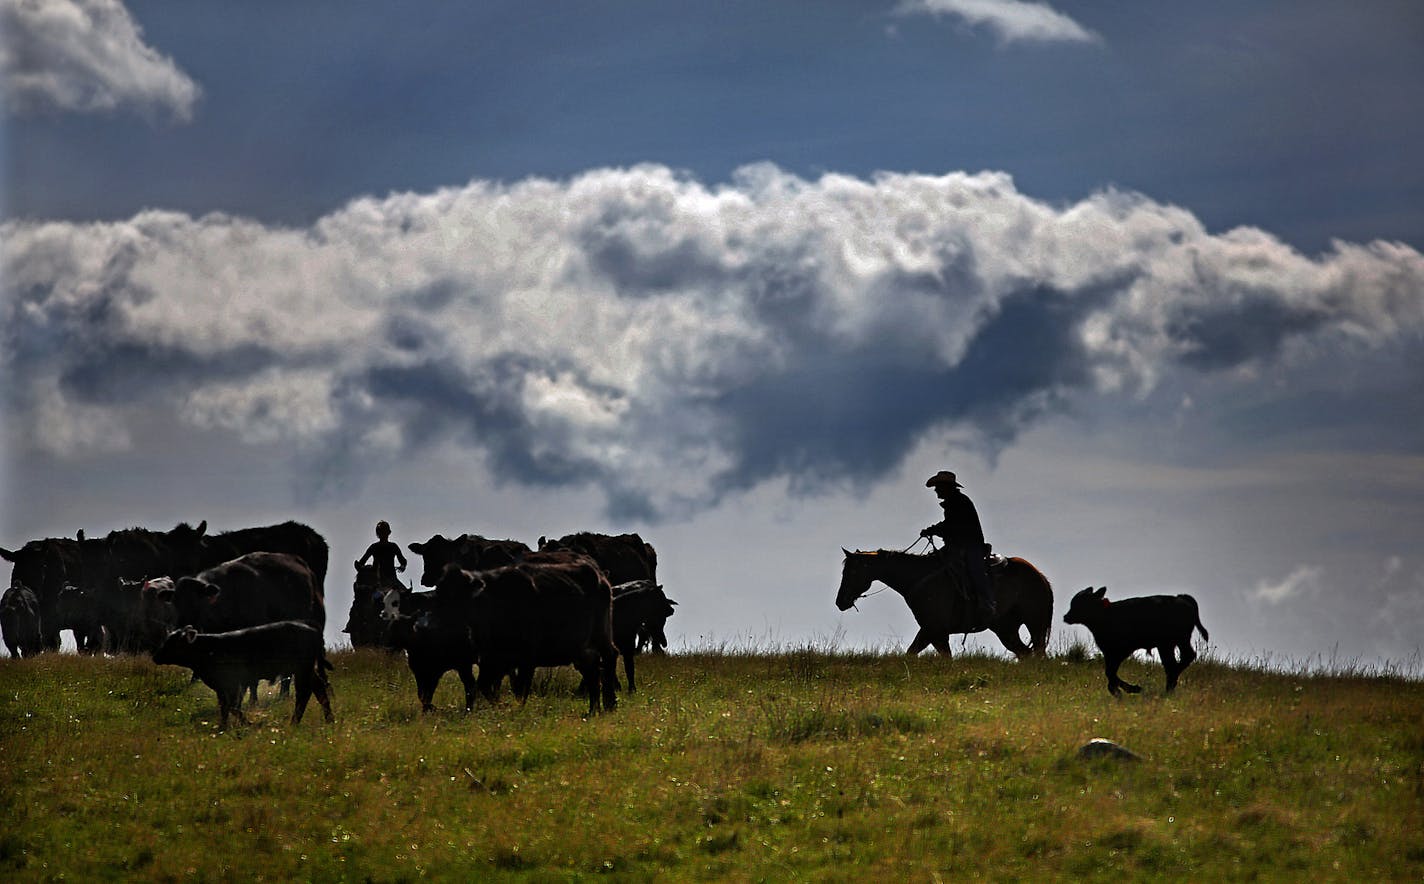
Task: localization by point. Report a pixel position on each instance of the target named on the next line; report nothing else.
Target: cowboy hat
(943, 477)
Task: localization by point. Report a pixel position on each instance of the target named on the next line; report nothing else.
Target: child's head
(383, 529)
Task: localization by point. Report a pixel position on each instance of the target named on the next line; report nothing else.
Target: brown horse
(937, 596)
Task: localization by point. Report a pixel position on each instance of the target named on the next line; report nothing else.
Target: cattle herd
(245, 605)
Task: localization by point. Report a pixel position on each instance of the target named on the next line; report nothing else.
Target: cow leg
(322, 688)
(1110, 664)
(609, 663)
(522, 682)
(1169, 664)
(627, 652)
(943, 647)
(1008, 633)
(488, 682)
(1188, 655)
(467, 678)
(286, 686)
(230, 704)
(919, 643)
(304, 692)
(425, 690)
(588, 666)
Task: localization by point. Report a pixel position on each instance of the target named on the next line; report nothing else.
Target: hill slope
(743, 766)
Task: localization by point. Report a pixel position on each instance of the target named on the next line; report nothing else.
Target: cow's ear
(166, 594)
(417, 548)
(79, 535)
(202, 528)
(211, 590)
(7, 555)
(1102, 591)
(190, 633)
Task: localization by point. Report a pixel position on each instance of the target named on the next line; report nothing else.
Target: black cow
(292, 538)
(157, 615)
(229, 661)
(623, 557)
(640, 611)
(552, 609)
(44, 567)
(470, 552)
(257, 588)
(1163, 622)
(78, 611)
(260, 587)
(436, 638)
(20, 623)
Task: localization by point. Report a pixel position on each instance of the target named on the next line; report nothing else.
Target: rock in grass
(1100, 748)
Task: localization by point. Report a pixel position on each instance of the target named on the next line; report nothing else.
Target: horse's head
(855, 579)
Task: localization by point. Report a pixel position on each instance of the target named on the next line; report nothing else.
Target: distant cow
(623, 557)
(640, 610)
(552, 609)
(78, 611)
(229, 661)
(436, 639)
(1163, 622)
(44, 567)
(20, 622)
(470, 552)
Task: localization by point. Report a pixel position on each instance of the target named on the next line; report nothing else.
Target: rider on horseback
(963, 537)
(384, 554)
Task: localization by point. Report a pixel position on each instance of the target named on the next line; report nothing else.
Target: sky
(739, 277)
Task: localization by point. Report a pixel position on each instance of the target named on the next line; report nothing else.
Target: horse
(938, 598)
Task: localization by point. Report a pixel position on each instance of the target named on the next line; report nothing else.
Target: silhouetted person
(384, 554)
(963, 537)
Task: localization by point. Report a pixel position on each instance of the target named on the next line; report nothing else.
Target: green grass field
(785, 765)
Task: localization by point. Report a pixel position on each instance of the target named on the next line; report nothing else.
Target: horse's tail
(1036, 607)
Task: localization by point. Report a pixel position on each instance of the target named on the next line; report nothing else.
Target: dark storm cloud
(663, 341)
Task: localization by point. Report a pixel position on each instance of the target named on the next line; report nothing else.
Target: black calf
(1163, 622)
(229, 661)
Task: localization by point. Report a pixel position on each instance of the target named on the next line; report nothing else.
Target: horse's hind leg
(919, 643)
(1008, 633)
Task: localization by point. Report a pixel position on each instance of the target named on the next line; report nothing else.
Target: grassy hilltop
(773, 766)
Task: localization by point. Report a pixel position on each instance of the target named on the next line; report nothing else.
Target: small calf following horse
(1163, 622)
(228, 662)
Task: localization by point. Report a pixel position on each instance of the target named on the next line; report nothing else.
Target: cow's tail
(1196, 619)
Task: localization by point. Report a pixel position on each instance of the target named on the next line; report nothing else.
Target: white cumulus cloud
(1012, 21)
(85, 56)
(667, 340)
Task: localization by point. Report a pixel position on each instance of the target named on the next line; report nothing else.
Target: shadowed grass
(801, 762)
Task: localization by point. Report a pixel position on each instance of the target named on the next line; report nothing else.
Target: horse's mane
(889, 553)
